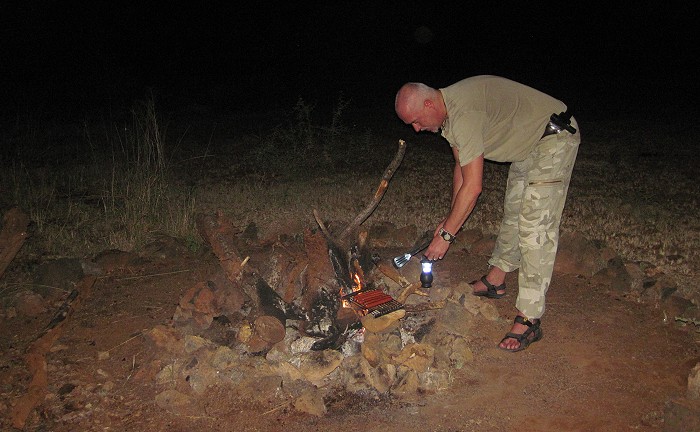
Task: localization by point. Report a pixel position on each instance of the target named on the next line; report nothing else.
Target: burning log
(351, 267)
(270, 311)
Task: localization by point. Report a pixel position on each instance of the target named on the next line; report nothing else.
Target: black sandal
(491, 289)
(523, 338)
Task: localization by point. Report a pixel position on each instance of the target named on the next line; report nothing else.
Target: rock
(352, 374)
(383, 323)
(443, 346)
(245, 332)
(62, 273)
(202, 377)
(418, 357)
(407, 387)
(577, 255)
(382, 377)
(664, 287)
(470, 302)
(455, 319)
(371, 350)
(175, 402)
(439, 293)
(677, 306)
(204, 300)
(302, 345)
(316, 365)
(225, 358)
(460, 353)
(29, 304)
(682, 415)
(434, 380)
(195, 343)
(694, 383)
(311, 402)
(411, 271)
(489, 311)
(167, 375)
(113, 260)
(166, 339)
(165, 247)
(483, 246)
(637, 277)
(467, 238)
(614, 277)
(227, 297)
(287, 371)
(363, 375)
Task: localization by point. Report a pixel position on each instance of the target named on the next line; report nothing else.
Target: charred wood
(270, 311)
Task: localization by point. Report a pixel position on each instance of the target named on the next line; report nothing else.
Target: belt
(558, 123)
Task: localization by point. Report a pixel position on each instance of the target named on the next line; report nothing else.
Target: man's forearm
(464, 203)
(467, 182)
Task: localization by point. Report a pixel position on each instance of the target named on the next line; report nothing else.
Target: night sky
(73, 57)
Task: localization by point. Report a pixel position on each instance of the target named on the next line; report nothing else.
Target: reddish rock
(29, 303)
(466, 238)
(483, 246)
(577, 255)
(682, 415)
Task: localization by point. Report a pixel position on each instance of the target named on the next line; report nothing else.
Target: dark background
(72, 58)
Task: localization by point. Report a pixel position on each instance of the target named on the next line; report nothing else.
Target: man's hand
(437, 249)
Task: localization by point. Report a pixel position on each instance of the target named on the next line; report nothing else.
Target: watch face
(447, 236)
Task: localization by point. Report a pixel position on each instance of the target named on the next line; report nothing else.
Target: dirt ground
(605, 364)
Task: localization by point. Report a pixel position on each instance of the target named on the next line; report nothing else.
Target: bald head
(411, 96)
(420, 106)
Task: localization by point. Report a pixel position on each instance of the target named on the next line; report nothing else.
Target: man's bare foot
(522, 334)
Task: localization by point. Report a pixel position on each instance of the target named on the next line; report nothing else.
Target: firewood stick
(383, 185)
(412, 289)
(36, 357)
(390, 272)
(378, 195)
(426, 306)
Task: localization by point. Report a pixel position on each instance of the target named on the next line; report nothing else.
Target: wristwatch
(448, 237)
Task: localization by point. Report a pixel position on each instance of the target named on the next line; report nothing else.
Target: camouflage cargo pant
(529, 233)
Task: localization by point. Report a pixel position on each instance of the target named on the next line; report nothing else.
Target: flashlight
(426, 275)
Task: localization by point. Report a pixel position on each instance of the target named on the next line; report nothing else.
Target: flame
(357, 286)
(358, 283)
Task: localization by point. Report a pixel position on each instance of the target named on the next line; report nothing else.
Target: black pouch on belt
(560, 122)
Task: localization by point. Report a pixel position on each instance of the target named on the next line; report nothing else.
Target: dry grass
(96, 187)
(114, 185)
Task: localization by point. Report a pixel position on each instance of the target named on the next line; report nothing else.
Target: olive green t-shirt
(495, 116)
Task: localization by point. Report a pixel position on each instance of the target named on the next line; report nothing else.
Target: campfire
(321, 306)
